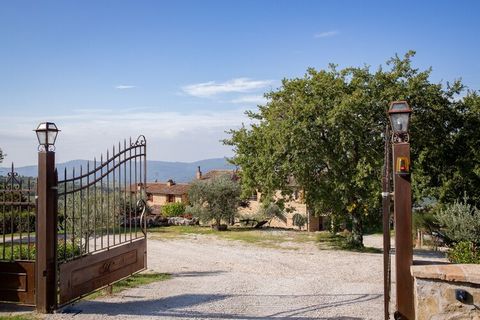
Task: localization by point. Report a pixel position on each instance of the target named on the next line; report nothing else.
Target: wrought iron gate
(17, 242)
(102, 234)
(75, 235)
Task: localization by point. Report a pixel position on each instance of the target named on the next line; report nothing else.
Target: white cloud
(250, 99)
(326, 34)
(124, 87)
(211, 88)
(172, 136)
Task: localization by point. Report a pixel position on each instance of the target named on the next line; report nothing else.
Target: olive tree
(215, 199)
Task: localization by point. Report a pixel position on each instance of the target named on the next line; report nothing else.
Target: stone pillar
(447, 291)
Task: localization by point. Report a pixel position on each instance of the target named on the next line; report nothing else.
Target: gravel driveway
(221, 279)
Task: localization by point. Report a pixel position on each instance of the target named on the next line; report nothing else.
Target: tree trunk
(357, 229)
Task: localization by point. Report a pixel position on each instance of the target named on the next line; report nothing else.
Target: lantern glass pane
(400, 121)
(52, 135)
(42, 137)
(400, 106)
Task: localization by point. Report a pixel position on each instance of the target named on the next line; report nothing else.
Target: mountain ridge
(156, 170)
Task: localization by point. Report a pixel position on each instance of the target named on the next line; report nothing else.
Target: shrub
(299, 220)
(460, 222)
(464, 252)
(173, 209)
(26, 251)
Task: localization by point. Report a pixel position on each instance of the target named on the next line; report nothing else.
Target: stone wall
(437, 287)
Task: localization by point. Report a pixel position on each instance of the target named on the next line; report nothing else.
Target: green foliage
(299, 220)
(425, 220)
(215, 199)
(2, 156)
(464, 252)
(13, 222)
(461, 222)
(174, 209)
(24, 251)
(326, 130)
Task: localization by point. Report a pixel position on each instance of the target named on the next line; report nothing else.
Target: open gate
(102, 234)
(17, 242)
(63, 239)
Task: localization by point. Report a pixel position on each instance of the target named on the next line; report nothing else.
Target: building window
(149, 197)
(170, 198)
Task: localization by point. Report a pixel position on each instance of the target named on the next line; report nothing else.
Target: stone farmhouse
(297, 205)
(161, 193)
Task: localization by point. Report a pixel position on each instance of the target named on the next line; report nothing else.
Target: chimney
(198, 175)
(170, 182)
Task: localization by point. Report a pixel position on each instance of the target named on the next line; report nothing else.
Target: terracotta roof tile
(220, 172)
(177, 189)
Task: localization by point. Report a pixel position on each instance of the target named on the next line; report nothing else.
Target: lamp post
(399, 114)
(46, 220)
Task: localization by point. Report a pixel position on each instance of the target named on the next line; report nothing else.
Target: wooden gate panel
(84, 275)
(17, 280)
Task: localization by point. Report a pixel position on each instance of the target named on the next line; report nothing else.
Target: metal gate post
(46, 233)
(403, 234)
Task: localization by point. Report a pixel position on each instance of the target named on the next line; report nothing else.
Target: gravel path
(220, 279)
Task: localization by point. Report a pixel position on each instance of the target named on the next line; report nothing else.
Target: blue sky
(183, 72)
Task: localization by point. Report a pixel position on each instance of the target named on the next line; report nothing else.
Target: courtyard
(261, 274)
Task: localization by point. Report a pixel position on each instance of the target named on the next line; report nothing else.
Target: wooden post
(403, 235)
(46, 234)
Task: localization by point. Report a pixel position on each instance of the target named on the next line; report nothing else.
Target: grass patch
(327, 240)
(134, 281)
(19, 317)
(270, 238)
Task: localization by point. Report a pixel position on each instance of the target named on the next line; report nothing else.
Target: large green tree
(326, 130)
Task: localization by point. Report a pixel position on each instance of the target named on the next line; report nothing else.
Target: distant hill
(156, 170)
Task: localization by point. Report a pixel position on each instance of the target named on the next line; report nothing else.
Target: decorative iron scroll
(98, 207)
(17, 217)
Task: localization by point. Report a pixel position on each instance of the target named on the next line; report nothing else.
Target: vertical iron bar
(19, 215)
(87, 235)
(108, 200)
(124, 189)
(386, 225)
(130, 191)
(81, 210)
(136, 192)
(29, 211)
(4, 218)
(65, 199)
(114, 225)
(95, 205)
(73, 213)
(101, 201)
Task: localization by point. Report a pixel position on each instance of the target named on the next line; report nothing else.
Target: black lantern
(46, 134)
(399, 114)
